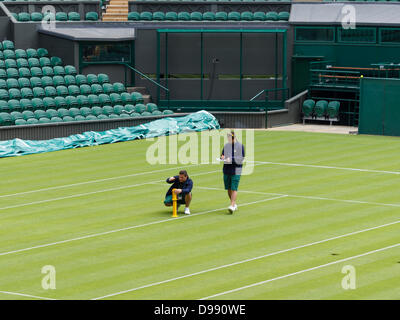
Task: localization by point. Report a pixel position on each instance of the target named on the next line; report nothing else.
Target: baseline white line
(26, 295)
(90, 181)
(129, 228)
(309, 197)
(250, 259)
(301, 271)
(325, 167)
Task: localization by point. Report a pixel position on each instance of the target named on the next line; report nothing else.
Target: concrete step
(114, 19)
(119, 11)
(142, 90)
(114, 15)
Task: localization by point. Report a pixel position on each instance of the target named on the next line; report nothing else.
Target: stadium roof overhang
(90, 33)
(366, 13)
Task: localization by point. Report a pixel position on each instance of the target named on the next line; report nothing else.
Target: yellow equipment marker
(174, 204)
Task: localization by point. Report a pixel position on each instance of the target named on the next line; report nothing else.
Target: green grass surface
(315, 203)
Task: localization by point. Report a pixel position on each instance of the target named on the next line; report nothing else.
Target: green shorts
(168, 199)
(231, 181)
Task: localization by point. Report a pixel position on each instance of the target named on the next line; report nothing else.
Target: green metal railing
(276, 103)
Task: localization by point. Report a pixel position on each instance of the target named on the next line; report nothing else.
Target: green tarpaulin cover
(199, 121)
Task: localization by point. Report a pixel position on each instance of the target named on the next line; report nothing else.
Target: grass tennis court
(315, 203)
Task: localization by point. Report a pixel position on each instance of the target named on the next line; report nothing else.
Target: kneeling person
(183, 188)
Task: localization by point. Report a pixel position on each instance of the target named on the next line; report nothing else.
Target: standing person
(183, 188)
(233, 156)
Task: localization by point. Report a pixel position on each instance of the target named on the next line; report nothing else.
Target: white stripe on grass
(300, 272)
(248, 260)
(129, 228)
(25, 295)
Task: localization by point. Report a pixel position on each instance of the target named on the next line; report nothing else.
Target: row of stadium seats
(208, 16)
(80, 114)
(321, 108)
(16, 73)
(59, 16)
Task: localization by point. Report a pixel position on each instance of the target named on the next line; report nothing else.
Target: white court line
(309, 197)
(129, 228)
(301, 271)
(325, 167)
(25, 295)
(249, 260)
(90, 181)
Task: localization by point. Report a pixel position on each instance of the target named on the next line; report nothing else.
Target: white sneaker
(187, 211)
(231, 209)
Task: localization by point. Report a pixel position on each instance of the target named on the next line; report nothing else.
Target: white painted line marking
(25, 295)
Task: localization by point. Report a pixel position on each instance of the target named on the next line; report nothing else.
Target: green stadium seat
(118, 87)
(134, 115)
(85, 89)
(56, 61)
(5, 119)
(48, 71)
(31, 53)
(283, 16)
(156, 113)
(74, 90)
(91, 79)
(1, 55)
(85, 111)
(26, 93)
(12, 83)
(168, 112)
(320, 108)
(61, 16)
(62, 112)
(20, 53)
(73, 112)
(129, 107)
(10, 63)
(12, 73)
(4, 94)
(271, 16)
(133, 16)
(44, 120)
(2, 64)
(184, 16)
(72, 102)
(20, 122)
(124, 115)
(158, 16)
(62, 91)
(50, 91)
(140, 108)
(28, 114)
(107, 110)
(145, 114)
(146, 16)
(221, 16)
(108, 88)
(308, 107)
(126, 98)
(47, 81)
(36, 72)
(80, 79)
(32, 121)
(69, 80)
(24, 73)
(8, 45)
(102, 117)
(68, 119)
(234, 16)
(104, 99)
(3, 74)
(15, 115)
(92, 16)
(118, 109)
(24, 16)
(94, 100)
(115, 99)
(246, 16)
(90, 117)
(51, 113)
(44, 62)
(4, 106)
(208, 16)
(79, 118)
(36, 16)
(103, 78)
(60, 102)
(171, 16)
(59, 70)
(196, 16)
(56, 119)
(33, 62)
(42, 52)
(151, 107)
(96, 88)
(333, 109)
(24, 83)
(97, 111)
(137, 97)
(39, 114)
(38, 92)
(83, 101)
(113, 116)
(58, 81)
(14, 94)
(26, 104)
(3, 84)
(74, 16)
(37, 104)
(22, 63)
(48, 103)
(70, 70)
